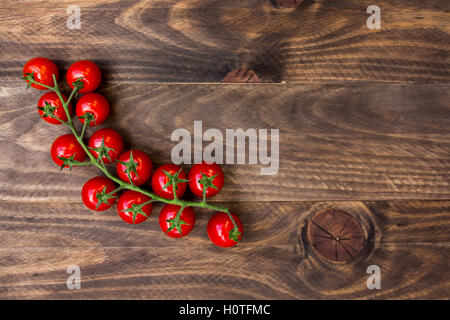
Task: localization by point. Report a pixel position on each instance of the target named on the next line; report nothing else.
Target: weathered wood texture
(337, 142)
(410, 243)
(203, 40)
(382, 149)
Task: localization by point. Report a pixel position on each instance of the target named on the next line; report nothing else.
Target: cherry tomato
(96, 104)
(110, 139)
(94, 189)
(210, 170)
(128, 207)
(43, 70)
(67, 146)
(139, 164)
(54, 101)
(187, 223)
(219, 228)
(88, 71)
(160, 180)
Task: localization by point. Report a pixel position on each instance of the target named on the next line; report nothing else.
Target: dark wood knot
(336, 235)
(241, 75)
(289, 3)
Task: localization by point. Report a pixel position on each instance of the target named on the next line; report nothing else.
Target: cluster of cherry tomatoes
(132, 166)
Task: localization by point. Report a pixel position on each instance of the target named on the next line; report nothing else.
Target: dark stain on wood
(241, 75)
(289, 3)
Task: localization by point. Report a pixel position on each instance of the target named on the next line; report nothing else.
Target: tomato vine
(235, 233)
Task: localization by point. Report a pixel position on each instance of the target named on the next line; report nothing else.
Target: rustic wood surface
(203, 40)
(38, 242)
(364, 123)
(337, 142)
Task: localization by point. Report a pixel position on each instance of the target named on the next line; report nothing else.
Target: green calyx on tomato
(130, 166)
(28, 77)
(70, 162)
(103, 151)
(79, 84)
(88, 117)
(104, 197)
(176, 223)
(48, 110)
(135, 210)
(207, 182)
(173, 179)
(235, 234)
(134, 207)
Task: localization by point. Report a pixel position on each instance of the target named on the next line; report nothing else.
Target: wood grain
(337, 142)
(409, 241)
(203, 40)
(364, 122)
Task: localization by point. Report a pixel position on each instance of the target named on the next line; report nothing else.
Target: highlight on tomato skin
(111, 140)
(219, 229)
(92, 191)
(53, 100)
(128, 207)
(66, 146)
(88, 72)
(43, 70)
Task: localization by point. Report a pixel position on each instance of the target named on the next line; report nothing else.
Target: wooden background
(364, 119)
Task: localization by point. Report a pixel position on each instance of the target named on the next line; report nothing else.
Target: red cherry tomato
(92, 191)
(43, 70)
(210, 170)
(140, 164)
(160, 179)
(110, 139)
(128, 207)
(54, 101)
(67, 146)
(94, 103)
(170, 212)
(88, 71)
(219, 228)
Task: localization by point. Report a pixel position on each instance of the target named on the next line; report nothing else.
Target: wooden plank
(337, 142)
(203, 40)
(409, 242)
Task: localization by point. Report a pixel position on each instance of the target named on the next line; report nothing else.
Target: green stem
(204, 195)
(85, 124)
(174, 185)
(177, 217)
(124, 185)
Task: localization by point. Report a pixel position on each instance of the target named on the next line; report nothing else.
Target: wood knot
(241, 75)
(289, 3)
(335, 235)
